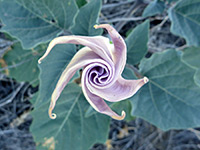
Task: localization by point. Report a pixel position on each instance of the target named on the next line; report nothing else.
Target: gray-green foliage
(35, 21)
(154, 8)
(22, 64)
(87, 18)
(81, 3)
(197, 77)
(185, 17)
(191, 56)
(171, 98)
(128, 73)
(137, 43)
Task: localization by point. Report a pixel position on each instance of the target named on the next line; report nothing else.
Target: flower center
(99, 75)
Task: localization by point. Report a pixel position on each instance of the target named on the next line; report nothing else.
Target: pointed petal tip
(95, 26)
(146, 80)
(39, 61)
(123, 115)
(51, 115)
(106, 26)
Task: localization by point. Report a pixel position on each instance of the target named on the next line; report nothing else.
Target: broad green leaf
(70, 130)
(197, 77)
(22, 65)
(128, 73)
(36, 21)
(155, 7)
(87, 18)
(61, 12)
(137, 43)
(171, 99)
(34, 98)
(185, 18)
(191, 56)
(51, 69)
(81, 3)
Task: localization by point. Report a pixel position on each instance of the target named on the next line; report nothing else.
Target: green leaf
(155, 7)
(34, 98)
(70, 127)
(191, 56)
(36, 21)
(128, 73)
(87, 18)
(197, 77)
(137, 43)
(185, 18)
(22, 65)
(81, 3)
(171, 98)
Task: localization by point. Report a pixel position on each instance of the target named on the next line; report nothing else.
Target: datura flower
(103, 64)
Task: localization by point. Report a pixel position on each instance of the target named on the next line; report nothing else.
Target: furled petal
(119, 52)
(120, 90)
(97, 102)
(102, 64)
(98, 44)
(82, 58)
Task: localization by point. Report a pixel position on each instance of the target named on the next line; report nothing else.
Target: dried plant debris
(161, 38)
(141, 135)
(15, 118)
(120, 13)
(16, 139)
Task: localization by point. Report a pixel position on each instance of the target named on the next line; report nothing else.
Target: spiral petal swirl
(103, 64)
